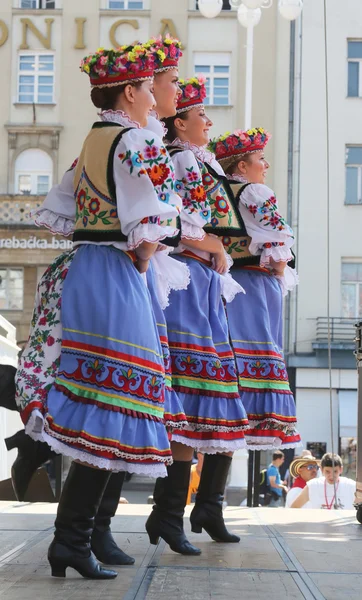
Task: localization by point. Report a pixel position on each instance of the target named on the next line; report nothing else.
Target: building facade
(46, 113)
(327, 214)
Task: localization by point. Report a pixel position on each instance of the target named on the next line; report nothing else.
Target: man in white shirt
(329, 491)
(302, 469)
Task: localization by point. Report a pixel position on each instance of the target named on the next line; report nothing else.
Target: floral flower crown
(166, 52)
(107, 68)
(193, 93)
(240, 142)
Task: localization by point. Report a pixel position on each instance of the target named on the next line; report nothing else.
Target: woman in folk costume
(203, 365)
(105, 406)
(264, 266)
(58, 214)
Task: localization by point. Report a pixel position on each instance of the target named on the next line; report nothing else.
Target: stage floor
(283, 554)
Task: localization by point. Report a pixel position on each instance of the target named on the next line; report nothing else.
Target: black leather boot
(207, 512)
(102, 542)
(31, 456)
(166, 518)
(7, 387)
(79, 503)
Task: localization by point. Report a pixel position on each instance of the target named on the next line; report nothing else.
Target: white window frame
(194, 6)
(34, 178)
(39, 5)
(7, 296)
(356, 284)
(36, 74)
(357, 166)
(126, 4)
(359, 61)
(212, 60)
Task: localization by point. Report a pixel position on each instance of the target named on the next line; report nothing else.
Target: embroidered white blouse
(144, 178)
(271, 236)
(196, 212)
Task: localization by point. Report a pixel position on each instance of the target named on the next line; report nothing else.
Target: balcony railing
(15, 210)
(342, 333)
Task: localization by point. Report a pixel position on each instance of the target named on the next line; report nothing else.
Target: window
(225, 5)
(11, 288)
(36, 78)
(353, 175)
(216, 68)
(354, 69)
(33, 172)
(30, 4)
(352, 289)
(125, 4)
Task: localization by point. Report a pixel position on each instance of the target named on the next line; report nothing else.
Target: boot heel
(11, 443)
(57, 570)
(196, 528)
(154, 538)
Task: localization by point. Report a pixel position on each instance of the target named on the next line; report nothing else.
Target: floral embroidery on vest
(87, 208)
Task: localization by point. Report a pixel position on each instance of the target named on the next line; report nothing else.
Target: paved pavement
(283, 554)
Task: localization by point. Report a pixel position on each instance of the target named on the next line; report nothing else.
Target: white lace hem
(288, 281)
(149, 232)
(255, 443)
(192, 232)
(277, 253)
(211, 446)
(170, 274)
(229, 287)
(44, 217)
(36, 428)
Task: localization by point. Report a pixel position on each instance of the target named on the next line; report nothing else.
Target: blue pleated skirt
(256, 332)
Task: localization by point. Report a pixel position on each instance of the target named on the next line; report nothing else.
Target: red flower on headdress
(220, 149)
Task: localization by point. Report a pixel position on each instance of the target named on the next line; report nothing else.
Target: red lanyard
(329, 506)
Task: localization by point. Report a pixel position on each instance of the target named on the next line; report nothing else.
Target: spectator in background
(302, 469)
(277, 487)
(195, 475)
(329, 491)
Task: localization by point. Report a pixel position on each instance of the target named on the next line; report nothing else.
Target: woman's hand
(278, 268)
(142, 265)
(220, 263)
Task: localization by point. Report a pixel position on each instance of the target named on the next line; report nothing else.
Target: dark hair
(328, 460)
(169, 123)
(106, 98)
(278, 454)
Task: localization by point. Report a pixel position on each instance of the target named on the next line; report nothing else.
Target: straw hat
(300, 461)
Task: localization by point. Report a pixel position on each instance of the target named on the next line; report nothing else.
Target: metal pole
(249, 75)
(250, 478)
(256, 478)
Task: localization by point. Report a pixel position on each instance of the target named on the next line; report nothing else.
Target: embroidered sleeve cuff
(278, 251)
(192, 232)
(149, 232)
(55, 223)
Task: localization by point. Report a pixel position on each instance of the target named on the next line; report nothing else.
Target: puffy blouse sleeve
(196, 211)
(271, 236)
(144, 180)
(57, 213)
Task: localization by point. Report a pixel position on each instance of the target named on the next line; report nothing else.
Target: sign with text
(34, 243)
